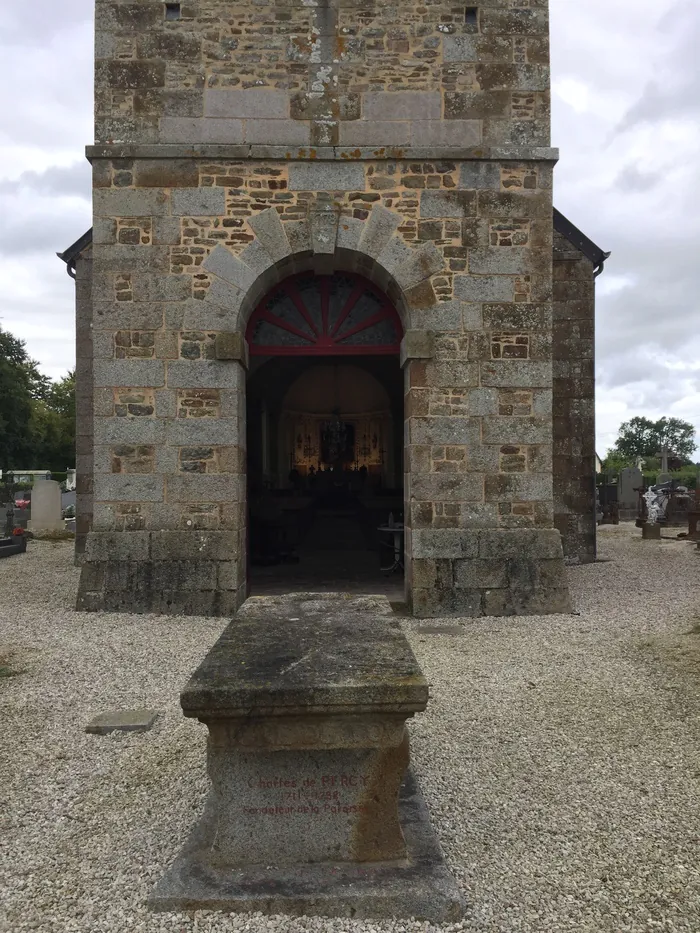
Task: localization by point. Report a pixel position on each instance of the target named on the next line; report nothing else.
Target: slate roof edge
(582, 243)
(70, 255)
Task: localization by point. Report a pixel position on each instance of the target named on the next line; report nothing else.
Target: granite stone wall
(323, 73)
(574, 401)
(242, 142)
(84, 411)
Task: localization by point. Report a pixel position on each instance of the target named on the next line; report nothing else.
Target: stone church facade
(241, 143)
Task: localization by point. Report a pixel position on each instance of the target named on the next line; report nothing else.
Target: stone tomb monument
(311, 808)
(46, 507)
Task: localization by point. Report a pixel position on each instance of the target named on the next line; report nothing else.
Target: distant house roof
(578, 239)
(561, 224)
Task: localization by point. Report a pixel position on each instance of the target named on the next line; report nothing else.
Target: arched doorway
(325, 437)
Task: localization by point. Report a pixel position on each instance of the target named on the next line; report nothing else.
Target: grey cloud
(57, 180)
(634, 180)
(675, 89)
(41, 225)
(36, 23)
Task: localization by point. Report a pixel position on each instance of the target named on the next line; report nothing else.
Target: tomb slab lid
(308, 654)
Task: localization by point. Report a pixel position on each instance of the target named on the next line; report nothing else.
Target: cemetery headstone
(630, 480)
(46, 507)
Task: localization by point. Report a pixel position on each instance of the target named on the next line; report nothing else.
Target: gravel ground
(559, 756)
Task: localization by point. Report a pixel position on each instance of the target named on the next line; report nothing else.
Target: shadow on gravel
(7, 668)
(675, 660)
(12, 662)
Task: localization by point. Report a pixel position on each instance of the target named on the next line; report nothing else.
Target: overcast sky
(626, 95)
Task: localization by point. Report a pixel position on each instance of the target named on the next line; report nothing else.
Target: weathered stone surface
(402, 105)
(324, 176)
(303, 670)
(453, 133)
(201, 130)
(223, 263)
(375, 133)
(133, 720)
(253, 103)
(270, 232)
(46, 507)
(452, 203)
(129, 373)
(574, 402)
(417, 345)
(199, 202)
(377, 230)
(230, 346)
(205, 374)
(108, 202)
(484, 287)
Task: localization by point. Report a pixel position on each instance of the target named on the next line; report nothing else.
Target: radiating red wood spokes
(325, 315)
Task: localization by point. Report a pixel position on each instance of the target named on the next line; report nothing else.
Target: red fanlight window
(340, 314)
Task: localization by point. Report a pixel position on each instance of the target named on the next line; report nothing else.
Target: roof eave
(578, 239)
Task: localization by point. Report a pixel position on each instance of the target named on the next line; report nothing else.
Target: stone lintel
(325, 153)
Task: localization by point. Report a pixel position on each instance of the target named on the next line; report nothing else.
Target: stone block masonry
(246, 141)
(574, 401)
(305, 74)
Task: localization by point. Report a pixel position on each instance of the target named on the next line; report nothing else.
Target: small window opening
(471, 16)
(173, 11)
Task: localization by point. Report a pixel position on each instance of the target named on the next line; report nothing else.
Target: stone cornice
(321, 154)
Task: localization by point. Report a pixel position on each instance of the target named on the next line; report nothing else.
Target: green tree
(37, 416)
(20, 384)
(52, 425)
(641, 437)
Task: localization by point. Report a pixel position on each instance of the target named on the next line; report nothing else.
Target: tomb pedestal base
(418, 885)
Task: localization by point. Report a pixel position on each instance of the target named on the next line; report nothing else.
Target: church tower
(370, 183)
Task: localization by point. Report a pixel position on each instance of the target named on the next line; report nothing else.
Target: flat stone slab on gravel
(128, 720)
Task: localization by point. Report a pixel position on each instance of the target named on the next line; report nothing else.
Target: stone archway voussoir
(222, 263)
(270, 233)
(423, 262)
